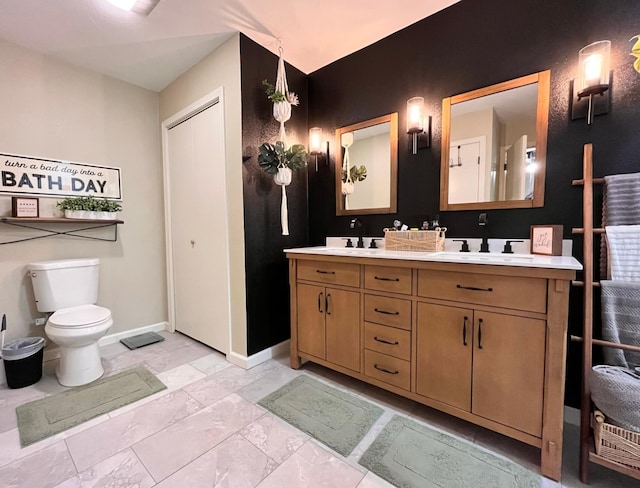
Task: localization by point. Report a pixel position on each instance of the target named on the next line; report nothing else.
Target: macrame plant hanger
(347, 185)
(282, 113)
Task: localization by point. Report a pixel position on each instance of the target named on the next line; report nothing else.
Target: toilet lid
(82, 316)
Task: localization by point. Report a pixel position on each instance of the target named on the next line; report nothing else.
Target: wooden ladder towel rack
(587, 449)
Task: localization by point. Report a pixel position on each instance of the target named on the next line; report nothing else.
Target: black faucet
(357, 224)
(482, 222)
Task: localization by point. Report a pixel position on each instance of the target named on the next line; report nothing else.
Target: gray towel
(623, 199)
(621, 321)
(620, 206)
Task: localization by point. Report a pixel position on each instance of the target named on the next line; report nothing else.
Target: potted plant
(89, 208)
(274, 157)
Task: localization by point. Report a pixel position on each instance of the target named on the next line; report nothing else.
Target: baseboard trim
(259, 357)
(54, 353)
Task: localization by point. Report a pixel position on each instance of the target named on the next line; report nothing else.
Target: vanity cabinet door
(343, 328)
(508, 370)
(311, 322)
(444, 352)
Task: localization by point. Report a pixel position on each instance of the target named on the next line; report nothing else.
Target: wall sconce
(317, 146)
(418, 125)
(593, 79)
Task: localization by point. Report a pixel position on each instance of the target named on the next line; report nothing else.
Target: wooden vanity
(483, 342)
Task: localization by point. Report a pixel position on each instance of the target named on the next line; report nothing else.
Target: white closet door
(466, 177)
(199, 235)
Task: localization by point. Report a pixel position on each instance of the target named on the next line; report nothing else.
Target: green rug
(410, 455)
(43, 418)
(335, 418)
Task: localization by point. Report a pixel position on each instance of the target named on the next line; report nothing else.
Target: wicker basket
(415, 240)
(616, 443)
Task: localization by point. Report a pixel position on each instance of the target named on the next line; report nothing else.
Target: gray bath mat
(43, 418)
(333, 417)
(411, 455)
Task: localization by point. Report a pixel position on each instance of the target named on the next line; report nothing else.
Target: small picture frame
(23, 207)
(546, 240)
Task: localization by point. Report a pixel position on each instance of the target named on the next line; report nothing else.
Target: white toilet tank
(64, 283)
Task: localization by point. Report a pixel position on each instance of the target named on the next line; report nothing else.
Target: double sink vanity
(479, 336)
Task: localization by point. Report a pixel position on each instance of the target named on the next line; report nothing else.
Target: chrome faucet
(482, 222)
(357, 224)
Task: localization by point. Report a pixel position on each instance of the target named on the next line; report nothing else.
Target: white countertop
(497, 259)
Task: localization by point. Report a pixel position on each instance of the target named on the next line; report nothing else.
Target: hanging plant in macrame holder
(276, 159)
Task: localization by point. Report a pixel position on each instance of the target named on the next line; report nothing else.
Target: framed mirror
(367, 167)
(494, 145)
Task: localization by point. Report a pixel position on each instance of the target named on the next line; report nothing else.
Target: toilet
(69, 288)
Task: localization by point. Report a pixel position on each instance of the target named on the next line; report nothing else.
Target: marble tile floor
(206, 430)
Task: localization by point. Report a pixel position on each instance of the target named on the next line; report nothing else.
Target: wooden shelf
(41, 224)
(58, 220)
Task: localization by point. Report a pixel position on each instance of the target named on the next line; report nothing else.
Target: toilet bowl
(76, 331)
(69, 288)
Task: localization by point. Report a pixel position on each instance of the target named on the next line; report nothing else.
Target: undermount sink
(483, 256)
(361, 251)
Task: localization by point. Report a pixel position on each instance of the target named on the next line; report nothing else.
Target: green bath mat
(411, 455)
(43, 418)
(333, 417)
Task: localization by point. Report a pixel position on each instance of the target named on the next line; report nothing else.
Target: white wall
(221, 68)
(53, 110)
(374, 191)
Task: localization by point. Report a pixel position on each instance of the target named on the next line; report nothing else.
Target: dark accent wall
(467, 46)
(267, 279)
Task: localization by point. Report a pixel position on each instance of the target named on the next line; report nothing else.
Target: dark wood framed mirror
(494, 145)
(370, 150)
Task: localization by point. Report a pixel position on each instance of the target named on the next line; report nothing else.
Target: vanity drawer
(347, 274)
(388, 369)
(388, 340)
(499, 291)
(385, 278)
(388, 311)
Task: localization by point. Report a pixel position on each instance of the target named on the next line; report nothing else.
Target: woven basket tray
(616, 443)
(415, 240)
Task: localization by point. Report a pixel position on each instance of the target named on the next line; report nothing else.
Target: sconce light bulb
(415, 117)
(315, 140)
(592, 69)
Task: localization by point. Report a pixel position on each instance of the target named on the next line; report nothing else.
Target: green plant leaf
(274, 155)
(273, 94)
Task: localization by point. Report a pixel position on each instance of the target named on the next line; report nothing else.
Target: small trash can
(23, 361)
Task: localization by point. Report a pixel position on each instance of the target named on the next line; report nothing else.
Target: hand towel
(624, 252)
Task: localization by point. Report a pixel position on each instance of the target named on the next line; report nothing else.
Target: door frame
(215, 97)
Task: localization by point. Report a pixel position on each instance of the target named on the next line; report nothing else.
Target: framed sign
(26, 175)
(546, 239)
(25, 207)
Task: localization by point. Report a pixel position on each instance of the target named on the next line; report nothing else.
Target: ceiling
(152, 51)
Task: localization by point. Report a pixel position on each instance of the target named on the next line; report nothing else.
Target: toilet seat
(79, 317)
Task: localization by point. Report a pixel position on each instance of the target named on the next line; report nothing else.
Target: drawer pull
(385, 312)
(479, 333)
(395, 343)
(379, 368)
(382, 278)
(473, 288)
(464, 331)
(321, 271)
